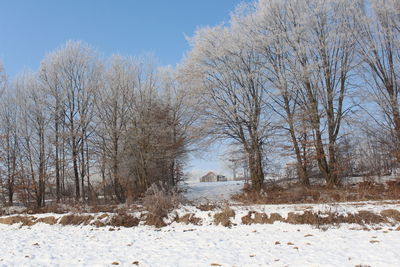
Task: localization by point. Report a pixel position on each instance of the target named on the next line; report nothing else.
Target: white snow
(277, 244)
(179, 245)
(213, 191)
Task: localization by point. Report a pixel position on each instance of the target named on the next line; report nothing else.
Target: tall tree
(226, 70)
(114, 112)
(51, 82)
(378, 44)
(78, 70)
(318, 37)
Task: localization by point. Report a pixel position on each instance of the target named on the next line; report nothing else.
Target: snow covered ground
(213, 191)
(279, 244)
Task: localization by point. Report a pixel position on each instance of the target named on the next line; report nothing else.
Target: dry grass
(254, 217)
(224, 216)
(74, 219)
(124, 220)
(318, 219)
(159, 202)
(51, 220)
(206, 207)
(189, 218)
(297, 193)
(103, 216)
(77, 207)
(24, 220)
(391, 213)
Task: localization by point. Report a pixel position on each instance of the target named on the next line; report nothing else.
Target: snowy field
(177, 245)
(213, 191)
(278, 244)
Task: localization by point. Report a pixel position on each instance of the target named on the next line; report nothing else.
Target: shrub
(223, 217)
(159, 201)
(189, 218)
(124, 219)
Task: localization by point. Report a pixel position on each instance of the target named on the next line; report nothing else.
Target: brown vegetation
(224, 216)
(25, 220)
(254, 217)
(159, 202)
(362, 217)
(297, 193)
(189, 218)
(74, 219)
(125, 220)
(51, 220)
(206, 207)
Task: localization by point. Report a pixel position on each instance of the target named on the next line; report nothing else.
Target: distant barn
(212, 177)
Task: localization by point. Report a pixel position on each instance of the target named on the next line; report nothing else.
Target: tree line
(81, 127)
(320, 76)
(315, 81)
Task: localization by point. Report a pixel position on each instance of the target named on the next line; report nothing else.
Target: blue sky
(29, 29)
(32, 28)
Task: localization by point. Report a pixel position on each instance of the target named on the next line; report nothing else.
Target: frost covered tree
(50, 79)
(225, 72)
(34, 130)
(9, 143)
(310, 54)
(378, 45)
(294, 57)
(113, 114)
(267, 27)
(78, 73)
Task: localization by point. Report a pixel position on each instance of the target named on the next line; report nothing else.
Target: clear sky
(29, 29)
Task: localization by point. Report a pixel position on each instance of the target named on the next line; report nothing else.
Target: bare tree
(34, 127)
(318, 36)
(378, 44)
(114, 112)
(51, 82)
(183, 117)
(227, 73)
(267, 27)
(78, 69)
(9, 142)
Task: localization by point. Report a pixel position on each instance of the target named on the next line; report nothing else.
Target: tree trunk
(256, 169)
(83, 169)
(58, 191)
(75, 166)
